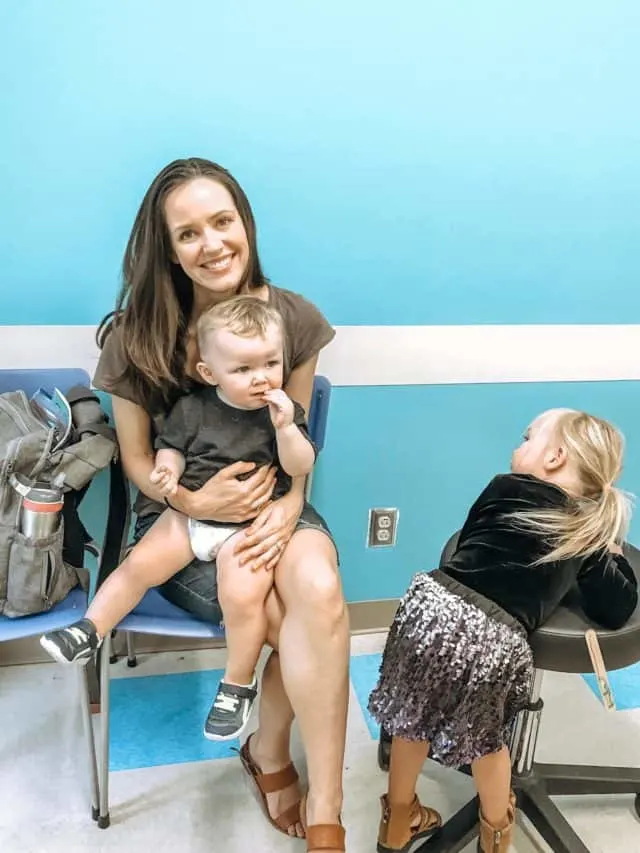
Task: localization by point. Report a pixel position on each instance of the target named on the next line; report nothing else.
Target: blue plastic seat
(156, 615)
(75, 604)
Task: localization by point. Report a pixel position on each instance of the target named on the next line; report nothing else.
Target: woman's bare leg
(271, 742)
(314, 656)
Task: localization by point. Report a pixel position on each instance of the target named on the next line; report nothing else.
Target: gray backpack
(37, 573)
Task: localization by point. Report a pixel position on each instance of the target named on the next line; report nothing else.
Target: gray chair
(558, 646)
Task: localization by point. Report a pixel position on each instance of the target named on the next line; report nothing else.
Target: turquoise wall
(429, 451)
(425, 163)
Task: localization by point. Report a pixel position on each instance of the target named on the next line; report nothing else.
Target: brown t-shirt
(306, 332)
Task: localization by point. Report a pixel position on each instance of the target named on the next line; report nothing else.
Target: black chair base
(533, 792)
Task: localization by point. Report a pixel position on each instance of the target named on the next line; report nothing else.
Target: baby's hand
(280, 408)
(165, 479)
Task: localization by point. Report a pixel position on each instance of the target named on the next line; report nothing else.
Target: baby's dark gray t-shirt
(211, 434)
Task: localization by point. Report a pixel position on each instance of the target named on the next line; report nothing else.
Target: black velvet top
(494, 558)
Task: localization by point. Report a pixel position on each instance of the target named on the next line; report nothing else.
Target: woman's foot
(402, 825)
(279, 802)
(322, 826)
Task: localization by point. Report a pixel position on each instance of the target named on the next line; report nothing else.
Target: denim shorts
(195, 588)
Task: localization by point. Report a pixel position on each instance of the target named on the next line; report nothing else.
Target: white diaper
(207, 539)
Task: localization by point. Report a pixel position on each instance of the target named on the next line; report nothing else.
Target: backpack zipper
(27, 423)
(19, 417)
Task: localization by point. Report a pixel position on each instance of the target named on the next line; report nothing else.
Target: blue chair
(156, 615)
(75, 604)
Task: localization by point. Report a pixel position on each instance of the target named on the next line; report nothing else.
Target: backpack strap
(118, 520)
(102, 429)
(89, 418)
(79, 393)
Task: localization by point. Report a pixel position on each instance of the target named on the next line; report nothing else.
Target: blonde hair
(599, 516)
(245, 316)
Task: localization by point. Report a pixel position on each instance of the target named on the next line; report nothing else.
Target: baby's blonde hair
(245, 316)
(599, 516)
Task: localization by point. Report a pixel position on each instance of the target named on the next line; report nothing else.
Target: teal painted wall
(429, 162)
(430, 451)
(438, 163)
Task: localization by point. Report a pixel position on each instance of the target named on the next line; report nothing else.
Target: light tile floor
(203, 806)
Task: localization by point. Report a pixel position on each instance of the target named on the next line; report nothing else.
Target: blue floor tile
(159, 719)
(625, 686)
(364, 676)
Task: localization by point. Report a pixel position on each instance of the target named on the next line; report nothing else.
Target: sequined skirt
(452, 673)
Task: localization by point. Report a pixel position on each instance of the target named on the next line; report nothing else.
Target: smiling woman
(194, 217)
(208, 237)
(193, 245)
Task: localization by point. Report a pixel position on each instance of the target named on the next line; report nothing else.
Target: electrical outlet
(383, 526)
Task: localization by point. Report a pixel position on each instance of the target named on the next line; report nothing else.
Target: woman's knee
(312, 582)
(321, 584)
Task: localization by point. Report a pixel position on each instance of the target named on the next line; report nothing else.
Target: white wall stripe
(402, 355)
(426, 355)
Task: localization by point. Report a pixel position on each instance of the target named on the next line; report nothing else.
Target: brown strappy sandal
(321, 836)
(402, 826)
(270, 783)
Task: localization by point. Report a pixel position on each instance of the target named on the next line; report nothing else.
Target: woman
(193, 244)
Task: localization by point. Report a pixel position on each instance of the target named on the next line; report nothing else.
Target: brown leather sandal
(402, 826)
(321, 836)
(269, 783)
(497, 839)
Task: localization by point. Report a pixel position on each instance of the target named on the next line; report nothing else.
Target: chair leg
(549, 821)
(113, 655)
(91, 743)
(575, 779)
(384, 750)
(92, 671)
(104, 820)
(131, 652)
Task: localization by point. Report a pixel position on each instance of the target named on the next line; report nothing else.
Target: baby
(240, 413)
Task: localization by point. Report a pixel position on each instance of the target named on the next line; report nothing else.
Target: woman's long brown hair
(154, 305)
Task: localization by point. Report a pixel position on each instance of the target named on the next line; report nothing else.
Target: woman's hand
(227, 499)
(265, 540)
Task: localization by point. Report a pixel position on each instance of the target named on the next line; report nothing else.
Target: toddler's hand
(280, 408)
(165, 479)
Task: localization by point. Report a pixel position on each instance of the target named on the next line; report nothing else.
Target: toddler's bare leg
(492, 776)
(161, 552)
(242, 595)
(404, 820)
(407, 760)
